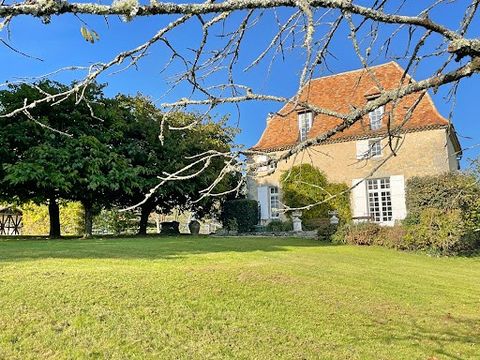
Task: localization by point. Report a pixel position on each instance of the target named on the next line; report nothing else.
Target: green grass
(247, 298)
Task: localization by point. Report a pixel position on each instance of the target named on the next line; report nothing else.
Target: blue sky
(60, 44)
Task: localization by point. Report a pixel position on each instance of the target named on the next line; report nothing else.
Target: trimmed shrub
(326, 232)
(231, 225)
(391, 236)
(278, 226)
(369, 234)
(362, 233)
(244, 211)
(447, 192)
(440, 231)
(444, 214)
(170, 228)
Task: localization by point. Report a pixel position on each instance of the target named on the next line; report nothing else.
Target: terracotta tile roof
(343, 92)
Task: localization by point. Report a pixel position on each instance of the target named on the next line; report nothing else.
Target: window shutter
(397, 189)
(359, 198)
(362, 149)
(262, 192)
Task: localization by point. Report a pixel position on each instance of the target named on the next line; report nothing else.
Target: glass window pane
(376, 118)
(379, 199)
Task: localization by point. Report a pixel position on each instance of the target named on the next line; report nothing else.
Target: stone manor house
(429, 144)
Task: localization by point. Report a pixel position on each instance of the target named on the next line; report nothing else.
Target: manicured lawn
(247, 298)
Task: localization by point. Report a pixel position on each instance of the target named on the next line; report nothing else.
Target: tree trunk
(88, 220)
(146, 210)
(54, 214)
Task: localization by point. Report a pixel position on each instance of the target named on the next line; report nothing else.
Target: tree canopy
(112, 158)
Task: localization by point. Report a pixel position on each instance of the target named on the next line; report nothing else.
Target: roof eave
(358, 137)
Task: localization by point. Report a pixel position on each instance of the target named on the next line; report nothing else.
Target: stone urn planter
(194, 227)
(297, 221)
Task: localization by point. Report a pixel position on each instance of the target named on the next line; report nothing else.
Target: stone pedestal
(297, 221)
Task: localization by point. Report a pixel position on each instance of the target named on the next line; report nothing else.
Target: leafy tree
(112, 162)
(71, 156)
(151, 158)
(304, 185)
(32, 170)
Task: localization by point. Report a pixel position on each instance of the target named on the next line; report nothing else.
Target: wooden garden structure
(10, 221)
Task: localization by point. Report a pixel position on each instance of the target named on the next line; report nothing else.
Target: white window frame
(374, 148)
(274, 202)
(376, 117)
(379, 200)
(305, 120)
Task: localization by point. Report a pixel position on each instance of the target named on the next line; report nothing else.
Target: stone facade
(429, 144)
(422, 153)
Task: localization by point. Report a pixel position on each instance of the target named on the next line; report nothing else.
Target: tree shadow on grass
(153, 247)
(445, 340)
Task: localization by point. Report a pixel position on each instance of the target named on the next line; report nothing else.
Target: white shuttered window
(379, 200)
(376, 118)
(274, 203)
(305, 120)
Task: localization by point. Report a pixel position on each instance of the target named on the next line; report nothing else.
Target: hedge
(448, 191)
(443, 218)
(242, 211)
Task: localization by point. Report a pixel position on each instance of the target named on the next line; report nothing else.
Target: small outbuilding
(10, 221)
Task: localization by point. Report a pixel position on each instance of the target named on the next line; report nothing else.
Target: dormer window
(304, 124)
(376, 118)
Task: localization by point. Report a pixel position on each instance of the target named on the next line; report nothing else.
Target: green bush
(452, 191)
(278, 226)
(326, 232)
(391, 236)
(362, 233)
(170, 228)
(244, 211)
(440, 231)
(369, 234)
(315, 223)
(231, 225)
(443, 213)
(36, 220)
(115, 222)
(305, 185)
